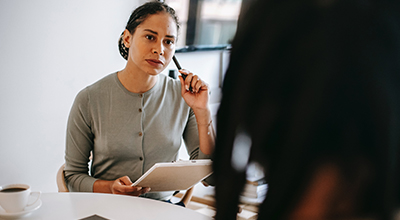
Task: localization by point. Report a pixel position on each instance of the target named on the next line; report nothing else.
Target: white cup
(14, 197)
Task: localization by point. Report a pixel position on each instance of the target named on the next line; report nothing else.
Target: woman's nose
(158, 50)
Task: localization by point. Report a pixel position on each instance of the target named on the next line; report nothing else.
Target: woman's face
(152, 45)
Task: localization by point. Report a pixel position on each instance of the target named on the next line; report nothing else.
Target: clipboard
(175, 176)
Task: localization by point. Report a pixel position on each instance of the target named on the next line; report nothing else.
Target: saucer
(28, 210)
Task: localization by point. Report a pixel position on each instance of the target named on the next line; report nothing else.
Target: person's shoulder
(96, 87)
(105, 81)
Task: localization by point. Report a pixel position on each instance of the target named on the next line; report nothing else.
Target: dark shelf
(203, 48)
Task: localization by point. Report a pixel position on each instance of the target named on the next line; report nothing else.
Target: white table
(73, 206)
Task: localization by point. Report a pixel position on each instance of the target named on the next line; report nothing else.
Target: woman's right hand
(123, 185)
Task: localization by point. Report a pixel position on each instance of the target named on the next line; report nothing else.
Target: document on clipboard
(174, 176)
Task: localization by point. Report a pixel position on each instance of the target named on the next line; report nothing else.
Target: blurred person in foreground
(312, 93)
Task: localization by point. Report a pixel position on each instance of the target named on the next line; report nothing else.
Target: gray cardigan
(127, 132)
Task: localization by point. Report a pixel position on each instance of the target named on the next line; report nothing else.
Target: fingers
(192, 81)
(183, 89)
(187, 79)
(124, 186)
(196, 83)
(125, 180)
(136, 190)
(144, 190)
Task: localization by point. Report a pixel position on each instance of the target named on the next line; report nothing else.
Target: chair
(187, 196)
(62, 186)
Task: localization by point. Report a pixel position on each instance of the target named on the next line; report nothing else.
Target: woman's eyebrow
(154, 32)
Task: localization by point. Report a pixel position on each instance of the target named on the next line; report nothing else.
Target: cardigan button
(140, 158)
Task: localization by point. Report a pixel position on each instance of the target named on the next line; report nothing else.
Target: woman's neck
(136, 81)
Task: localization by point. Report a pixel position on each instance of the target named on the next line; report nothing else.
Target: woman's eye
(149, 37)
(169, 41)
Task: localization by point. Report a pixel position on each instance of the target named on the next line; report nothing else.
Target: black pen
(179, 68)
(176, 63)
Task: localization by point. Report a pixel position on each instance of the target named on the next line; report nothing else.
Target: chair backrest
(62, 186)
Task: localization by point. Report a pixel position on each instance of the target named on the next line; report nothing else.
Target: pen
(179, 68)
(176, 63)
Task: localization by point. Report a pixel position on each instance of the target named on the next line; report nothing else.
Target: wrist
(103, 186)
(203, 117)
(110, 187)
(207, 125)
(201, 110)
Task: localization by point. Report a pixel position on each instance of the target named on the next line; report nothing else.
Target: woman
(136, 117)
(312, 92)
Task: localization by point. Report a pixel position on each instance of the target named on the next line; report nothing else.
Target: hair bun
(122, 49)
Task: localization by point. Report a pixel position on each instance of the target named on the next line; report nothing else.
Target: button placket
(140, 110)
(141, 158)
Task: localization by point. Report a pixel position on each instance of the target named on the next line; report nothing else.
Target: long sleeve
(191, 138)
(79, 143)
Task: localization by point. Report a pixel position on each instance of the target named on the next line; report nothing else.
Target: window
(206, 24)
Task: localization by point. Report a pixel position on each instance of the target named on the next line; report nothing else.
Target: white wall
(50, 50)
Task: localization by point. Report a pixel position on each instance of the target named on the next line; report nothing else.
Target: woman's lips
(154, 62)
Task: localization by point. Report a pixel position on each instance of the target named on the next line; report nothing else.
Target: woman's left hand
(197, 99)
